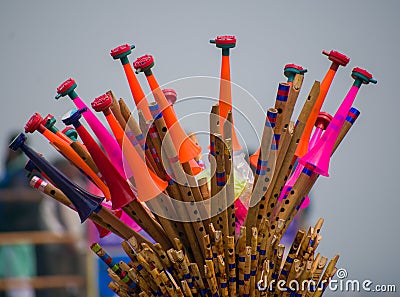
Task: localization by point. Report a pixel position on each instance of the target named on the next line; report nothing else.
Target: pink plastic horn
(111, 146)
(320, 154)
(321, 124)
(338, 59)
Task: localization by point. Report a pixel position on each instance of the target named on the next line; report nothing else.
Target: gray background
(45, 42)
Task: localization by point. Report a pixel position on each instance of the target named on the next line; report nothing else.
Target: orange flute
(186, 148)
(338, 59)
(148, 186)
(63, 147)
(225, 92)
(121, 52)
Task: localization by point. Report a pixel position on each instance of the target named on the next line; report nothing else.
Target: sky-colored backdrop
(45, 42)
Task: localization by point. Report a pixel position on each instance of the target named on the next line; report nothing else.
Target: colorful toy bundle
(207, 239)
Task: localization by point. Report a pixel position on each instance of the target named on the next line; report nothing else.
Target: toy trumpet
(84, 202)
(186, 148)
(121, 52)
(147, 185)
(72, 138)
(121, 193)
(225, 43)
(35, 123)
(338, 59)
(319, 155)
(67, 88)
(320, 125)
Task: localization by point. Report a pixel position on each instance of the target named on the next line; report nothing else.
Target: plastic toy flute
(186, 148)
(121, 52)
(67, 88)
(225, 43)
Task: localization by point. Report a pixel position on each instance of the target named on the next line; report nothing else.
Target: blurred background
(46, 42)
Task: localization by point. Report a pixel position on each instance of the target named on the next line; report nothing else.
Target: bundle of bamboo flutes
(199, 250)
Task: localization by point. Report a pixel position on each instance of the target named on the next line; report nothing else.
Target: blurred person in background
(62, 259)
(19, 211)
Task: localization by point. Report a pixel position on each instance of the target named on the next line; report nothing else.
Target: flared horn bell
(148, 185)
(185, 147)
(84, 202)
(121, 193)
(320, 154)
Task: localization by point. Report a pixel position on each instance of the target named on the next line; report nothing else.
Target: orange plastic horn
(148, 185)
(186, 148)
(121, 52)
(63, 147)
(338, 59)
(225, 93)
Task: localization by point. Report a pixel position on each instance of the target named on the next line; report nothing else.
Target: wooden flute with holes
(116, 110)
(313, 178)
(214, 130)
(220, 198)
(294, 92)
(230, 173)
(241, 259)
(132, 127)
(294, 88)
(264, 172)
(278, 180)
(253, 262)
(280, 106)
(163, 206)
(193, 224)
(191, 180)
(152, 145)
(326, 277)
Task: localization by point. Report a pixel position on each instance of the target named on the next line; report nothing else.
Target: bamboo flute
(193, 225)
(230, 173)
(278, 181)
